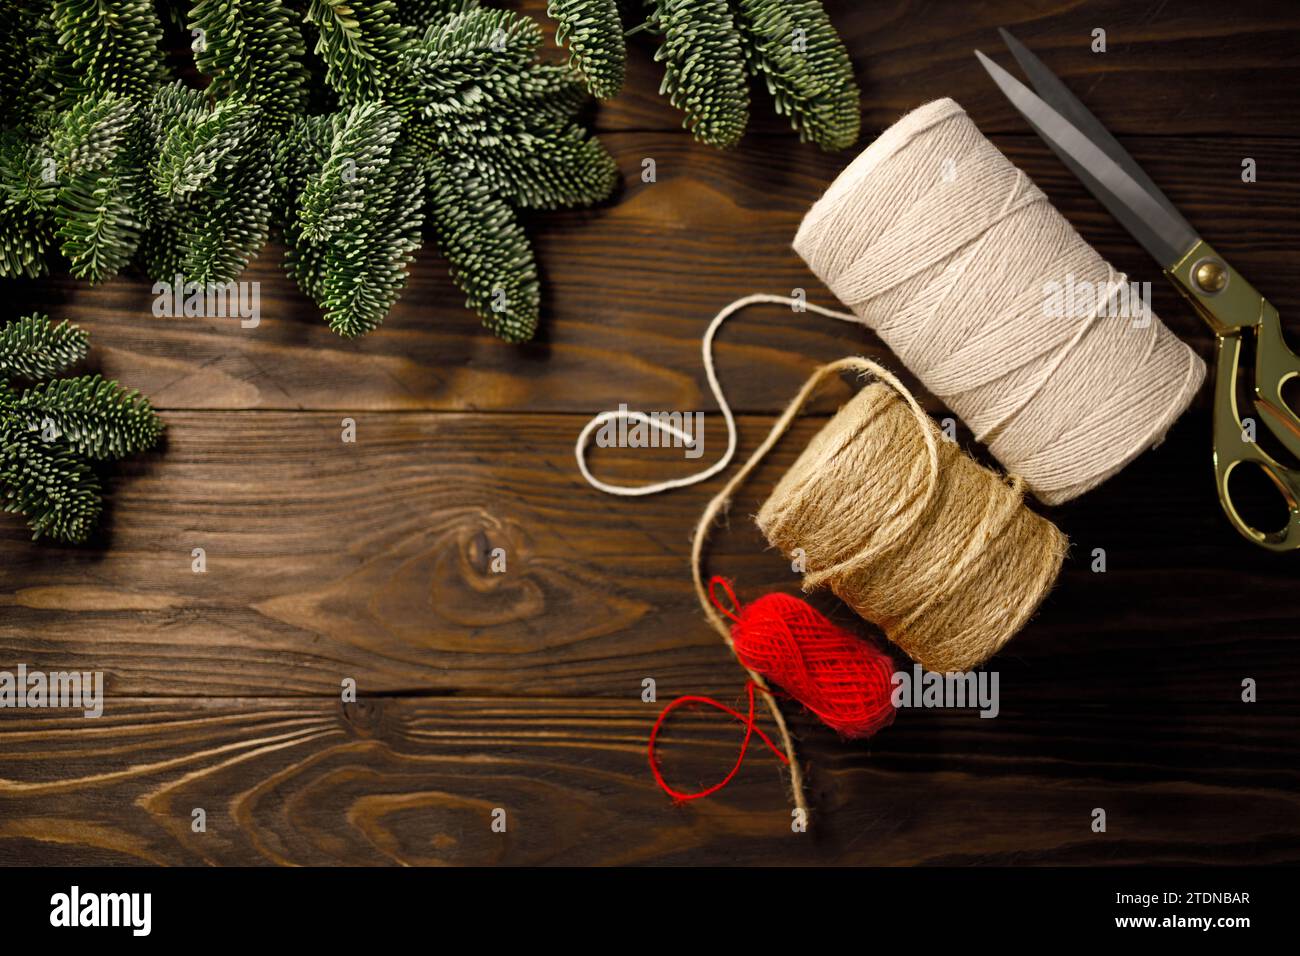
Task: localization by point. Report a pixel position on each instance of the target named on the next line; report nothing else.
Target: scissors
(1231, 306)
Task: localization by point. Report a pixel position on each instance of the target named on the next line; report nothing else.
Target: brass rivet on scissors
(1211, 276)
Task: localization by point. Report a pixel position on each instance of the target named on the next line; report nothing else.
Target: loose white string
(580, 449)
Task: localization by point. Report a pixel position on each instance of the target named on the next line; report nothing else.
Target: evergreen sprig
(27, 53)
(356, 220)
(704, 67)
(106, 47)
(48, 483)
(488, 251)
(51, 431)
(98, 170)
(96, 417)
(792, 45)
(212, 181)
(498, 132)
(109, 165)
(594, 34)
(360, 42)
(709, 47)
(105, 163)
(28, 191)
(253, 50)
(32, 347)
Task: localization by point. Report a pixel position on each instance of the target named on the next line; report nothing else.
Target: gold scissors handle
(1234, 310)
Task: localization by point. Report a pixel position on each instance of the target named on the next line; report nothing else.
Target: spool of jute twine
(905, 527)
(953, 256)
(913, 534)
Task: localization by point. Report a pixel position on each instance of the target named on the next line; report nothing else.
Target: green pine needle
(551, 170)
(28, 47)
(196, 145)
(355, 224)
(51, 432)
(48, 483)
(107, 47)
(212, 178)
(28, 190)
(336, 195)
(359, 43)
(94, 145)
(253, 50)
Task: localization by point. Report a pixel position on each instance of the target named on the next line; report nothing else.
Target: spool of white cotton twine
(952, 255)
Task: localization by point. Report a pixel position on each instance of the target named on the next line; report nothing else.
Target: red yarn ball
(844, 680)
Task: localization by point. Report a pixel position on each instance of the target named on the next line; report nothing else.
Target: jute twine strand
(722, 501)
(717, 505)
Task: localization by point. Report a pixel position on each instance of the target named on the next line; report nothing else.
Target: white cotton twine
(945, 249)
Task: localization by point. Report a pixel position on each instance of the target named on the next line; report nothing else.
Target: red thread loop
(748, 721)
(726, 586)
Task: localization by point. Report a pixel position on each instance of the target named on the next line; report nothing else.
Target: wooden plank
(415, 781)
(372, 561)
(630, 287)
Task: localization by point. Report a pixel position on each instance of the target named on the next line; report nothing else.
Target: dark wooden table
(371, 561)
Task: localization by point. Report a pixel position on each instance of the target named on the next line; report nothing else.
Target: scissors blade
(1143, 211)
(1056, 95)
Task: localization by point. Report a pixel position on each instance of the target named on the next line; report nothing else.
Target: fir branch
(352, 256)
(303, 151)
(460, 107)
(253, 50)
(458, 55)
(359, 150)
(32, 347)
(200, 141)
(213, 177)
(704, 68)
(594, 33)
(48, 432)
(28, 192)
(229, 222)
(95, 146)
(27, 50)
(487, 250)
(97, 227)
(548, 170)
(48, 483)
(92, 134)
(107, 47)
(794, 47)
(360, 43)
(96, 417)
